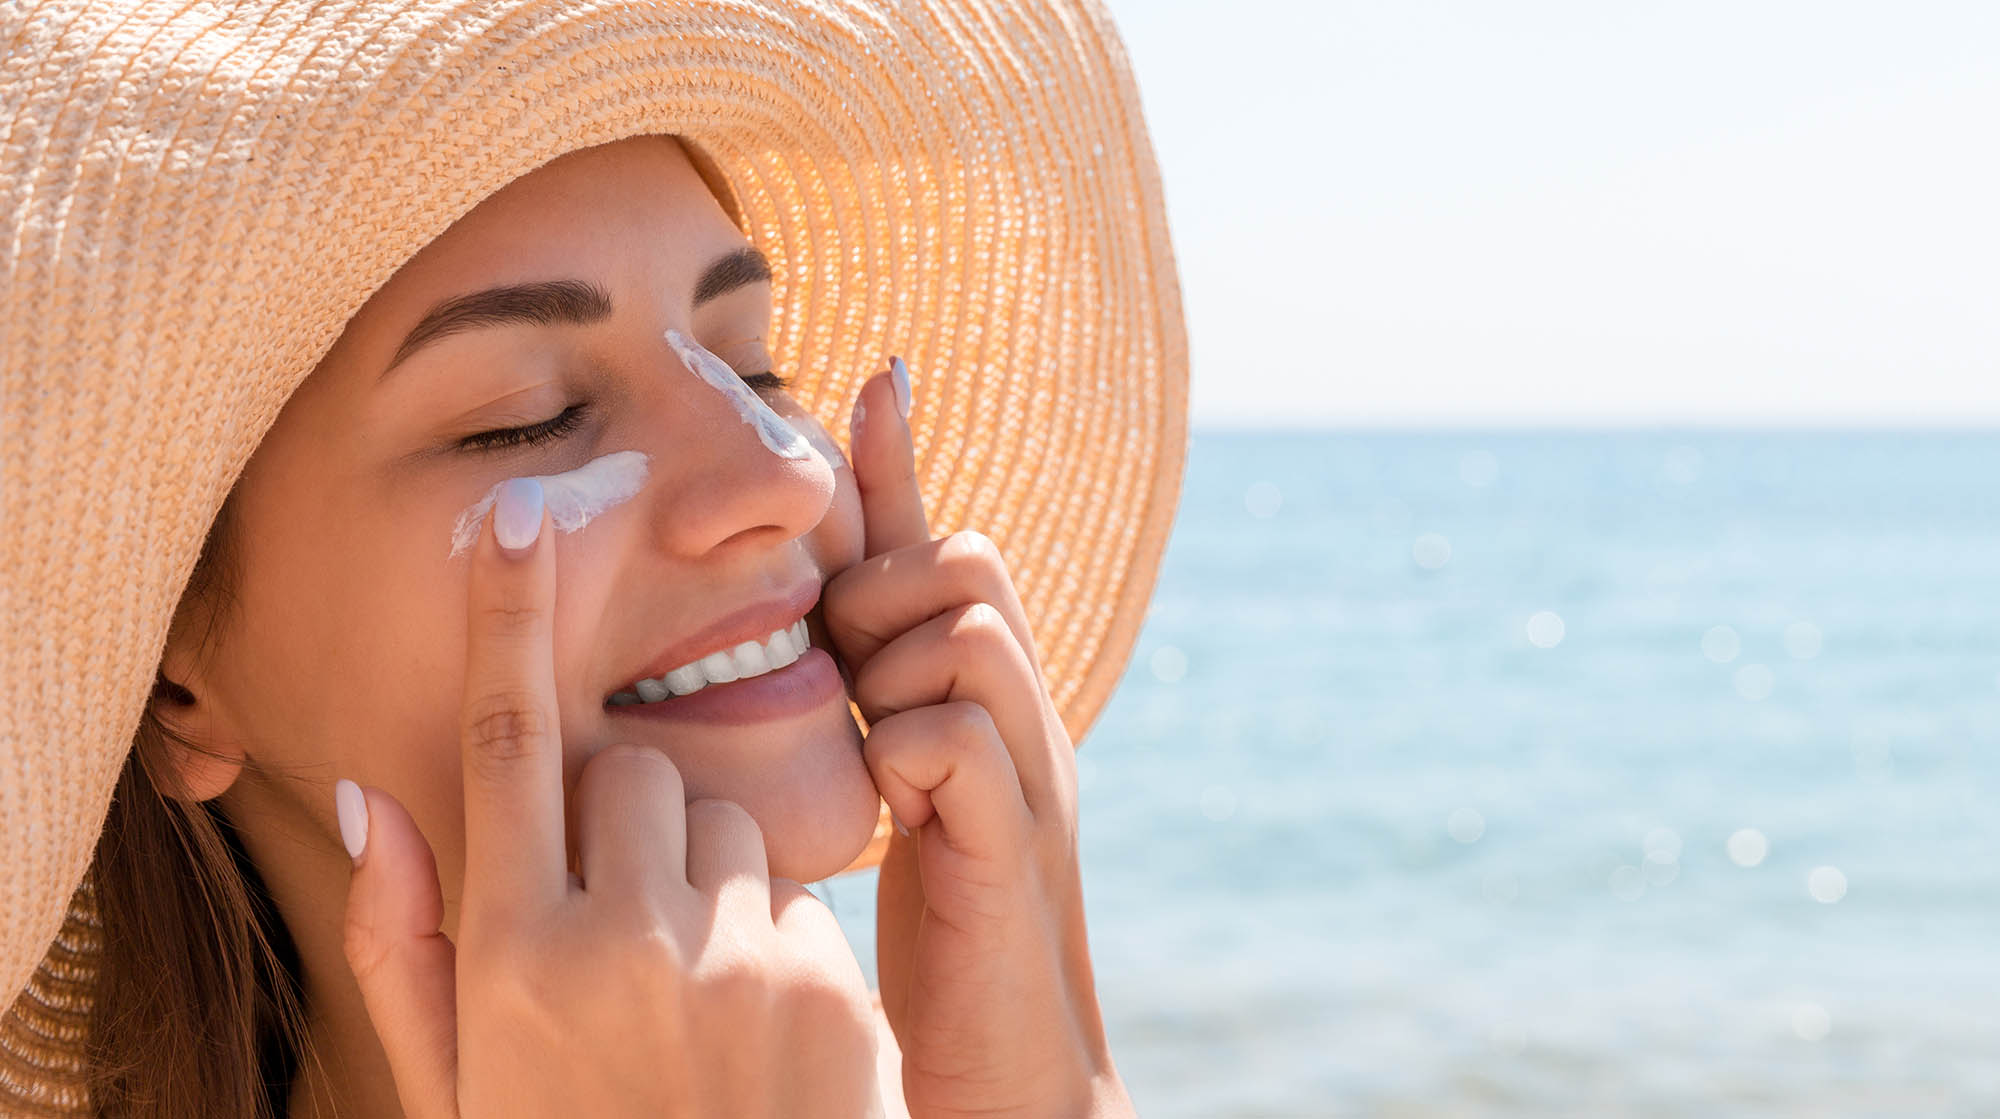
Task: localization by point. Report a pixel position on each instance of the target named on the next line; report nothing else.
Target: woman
(499, 430)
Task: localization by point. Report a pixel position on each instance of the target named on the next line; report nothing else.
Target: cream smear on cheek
(778, 437)
(573, 498)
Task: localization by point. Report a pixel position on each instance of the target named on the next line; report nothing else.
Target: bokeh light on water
(1748, 847)
(1356, 842)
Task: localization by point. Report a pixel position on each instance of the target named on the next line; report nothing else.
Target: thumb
(402, 962)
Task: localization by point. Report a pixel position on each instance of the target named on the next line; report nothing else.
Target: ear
(208, 762)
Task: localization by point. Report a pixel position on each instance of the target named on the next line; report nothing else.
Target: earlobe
(198, 765)
(201, 775)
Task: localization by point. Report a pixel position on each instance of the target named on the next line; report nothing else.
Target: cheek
(346, 659)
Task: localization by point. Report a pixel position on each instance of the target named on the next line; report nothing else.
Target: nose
(718, 488)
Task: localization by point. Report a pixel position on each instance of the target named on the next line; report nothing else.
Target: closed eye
(570, 418)
(555, 427)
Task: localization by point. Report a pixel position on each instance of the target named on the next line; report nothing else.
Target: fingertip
(351, 808)
(885, 468)
(518, 514)
(857, 418)
(896, 790)
(875, 403)
(872, 429)
(899, 376)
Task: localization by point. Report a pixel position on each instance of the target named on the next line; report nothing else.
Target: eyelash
(566, 421)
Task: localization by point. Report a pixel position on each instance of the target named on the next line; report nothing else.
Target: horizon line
(1421, 425)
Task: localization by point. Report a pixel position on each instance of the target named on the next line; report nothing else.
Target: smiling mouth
(741, 662)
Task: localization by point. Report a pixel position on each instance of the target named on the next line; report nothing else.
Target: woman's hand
(985, 972)
(673, 977)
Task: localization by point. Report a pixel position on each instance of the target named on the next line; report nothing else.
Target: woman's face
(343, 654)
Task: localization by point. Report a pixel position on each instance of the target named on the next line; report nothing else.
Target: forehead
(633, 215)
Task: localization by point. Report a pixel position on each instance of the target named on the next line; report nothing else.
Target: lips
(717, 652)
(811, 683)
(747, 661)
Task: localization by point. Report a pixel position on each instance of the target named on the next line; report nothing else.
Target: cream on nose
(778, 437)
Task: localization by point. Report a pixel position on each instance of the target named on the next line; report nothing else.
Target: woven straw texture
(197, 197)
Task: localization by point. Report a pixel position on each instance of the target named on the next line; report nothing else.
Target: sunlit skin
(345, 650)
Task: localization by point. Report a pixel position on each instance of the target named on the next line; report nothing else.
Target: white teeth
(782, 651)
(686, 680)
(720, 668)
(752, 658)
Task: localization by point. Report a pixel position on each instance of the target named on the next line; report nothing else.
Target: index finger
(509, 737)
(885, 463)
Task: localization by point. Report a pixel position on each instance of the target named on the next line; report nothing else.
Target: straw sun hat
(197, 197)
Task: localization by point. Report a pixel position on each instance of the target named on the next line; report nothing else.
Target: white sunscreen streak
(779, 437)
(573, 498)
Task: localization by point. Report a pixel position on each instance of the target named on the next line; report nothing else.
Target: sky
(1412, 213)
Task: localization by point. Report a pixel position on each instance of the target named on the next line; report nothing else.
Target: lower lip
(810, 682)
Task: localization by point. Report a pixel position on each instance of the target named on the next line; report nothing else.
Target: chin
(819, 848)
(801, 779)
(821, 814)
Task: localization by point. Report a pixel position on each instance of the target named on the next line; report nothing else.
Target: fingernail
(900, 829)
(517, 513)
(854, 419)
(352, 808)
(900, 373)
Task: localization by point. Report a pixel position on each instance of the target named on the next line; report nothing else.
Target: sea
(1518, 773)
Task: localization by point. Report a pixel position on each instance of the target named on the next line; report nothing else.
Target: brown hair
(198, 1009)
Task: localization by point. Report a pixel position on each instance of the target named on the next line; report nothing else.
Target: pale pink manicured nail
(352, 808)
(517, 513)
(900, 373)
(900, 829)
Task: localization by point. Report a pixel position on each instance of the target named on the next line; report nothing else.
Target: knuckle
(821, 997)
(650, 948)
(367, 953)
(511, 979)
(798, 912)
(503, 727)
(968, 727)
(980, 625)
(970, 548)
(787, 892)
(625, 761)
(713, 814)
(508, 618)
(972, 564)
(737, 984)
(526, 994)
(847, 605)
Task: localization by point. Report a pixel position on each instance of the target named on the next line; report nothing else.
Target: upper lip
(755, 622)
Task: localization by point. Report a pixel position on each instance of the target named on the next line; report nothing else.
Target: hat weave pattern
(198, 196)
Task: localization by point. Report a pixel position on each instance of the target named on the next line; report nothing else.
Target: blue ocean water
(1556, 774)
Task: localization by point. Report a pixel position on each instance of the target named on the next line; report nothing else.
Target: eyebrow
(578, 302)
